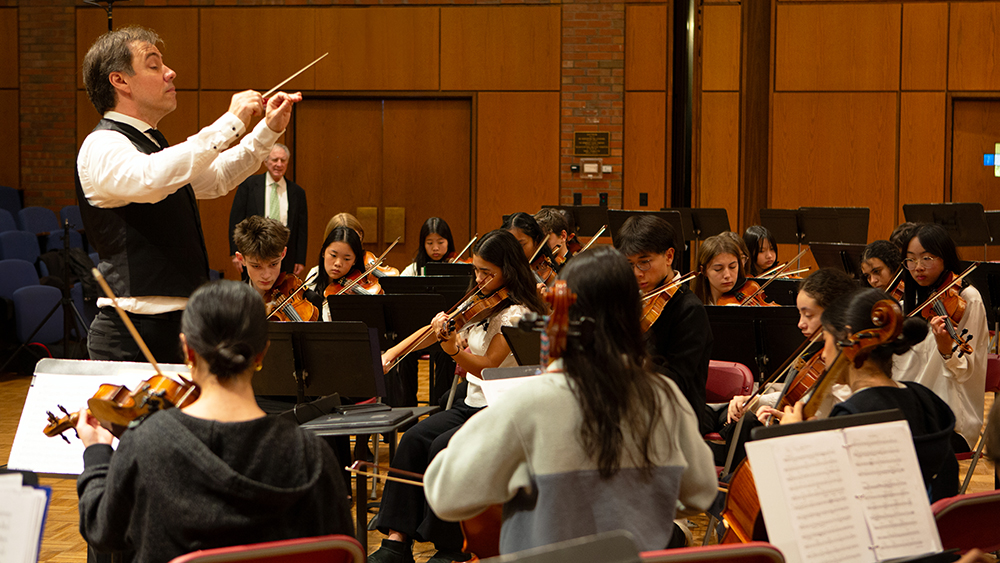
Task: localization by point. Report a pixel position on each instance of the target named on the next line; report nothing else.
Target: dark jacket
(249, 201)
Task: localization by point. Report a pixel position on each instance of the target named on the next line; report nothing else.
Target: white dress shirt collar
(139, 124)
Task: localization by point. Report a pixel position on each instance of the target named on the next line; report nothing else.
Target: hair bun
(914, 332)
(230, 358)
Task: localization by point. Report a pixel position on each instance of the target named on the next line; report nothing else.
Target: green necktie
(274, 210)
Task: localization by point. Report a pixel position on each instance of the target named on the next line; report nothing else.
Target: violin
(358, 283)
(573, 245)
(286, 301)
(542, 265)
(809, 373)
(654, 302)
(947, 302)
(378, 269)
(750, 294)
(457, 258)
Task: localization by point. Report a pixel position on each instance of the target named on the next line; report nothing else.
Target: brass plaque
(395, 224)
(368, 216)
(592, 143)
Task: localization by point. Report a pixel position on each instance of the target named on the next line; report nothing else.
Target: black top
(680, 343)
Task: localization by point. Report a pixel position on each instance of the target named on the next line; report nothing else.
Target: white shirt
(113, 173)
(282, 198)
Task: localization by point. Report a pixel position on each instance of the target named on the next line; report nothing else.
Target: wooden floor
(62, 542)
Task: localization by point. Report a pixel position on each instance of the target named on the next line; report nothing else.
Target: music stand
(782, 292)
(760, 338)
(783, 225)
(452, 288)
(687, 222)
(708, 222)
(526, 345)
(986, 278)
(833, 224)
(965, 222)
(589, 218)
(491, 374)
(823, 424)
(458, 269)
(842, 256)
(367, 309)
(993, 225)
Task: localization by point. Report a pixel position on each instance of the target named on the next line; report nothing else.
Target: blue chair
(15, 274)
(19, 244)
(39, 220)
(7, 221)
(31, 304)
(95, 258)
(10, 200)
(55, 240)
(71, 213)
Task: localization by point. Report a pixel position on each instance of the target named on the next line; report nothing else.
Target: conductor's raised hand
(245, 105)
(279, 110)
(90, 430)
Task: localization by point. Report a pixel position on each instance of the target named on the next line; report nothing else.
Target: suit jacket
(249, 201)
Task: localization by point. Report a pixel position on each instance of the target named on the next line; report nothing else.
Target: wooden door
(975, 132)
(413, 154)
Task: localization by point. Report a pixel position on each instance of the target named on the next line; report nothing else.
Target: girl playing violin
(931, 420)
(215, 473)
(348, 220)
(597, 443)
(438, 246)
(721, 279)
(531, 238)
(931, 260)
(762, 250)
(880, 262)
(261, 247)
(341, 258)
(500, 265)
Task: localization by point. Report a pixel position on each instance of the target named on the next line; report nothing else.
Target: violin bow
(791, 273)
(535, 255)
(287, 80)
(686, 277)
(594, 238)
(464, 250)
(374, 265)
(937, 294)
(898, 277)
(128, 322)
(302, 286)
(774, 277)
(357, 466)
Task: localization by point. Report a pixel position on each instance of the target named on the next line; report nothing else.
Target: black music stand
(823, 424)
(986, 278)
(993, 225)
(760, 338)
(687, 222)
(834, 224)
(526, 345)
(965, 222)
(459, 269)
(842, 256)
(452, 288)
(782, 292)
(783, 225)
(589, 218)
(709, 221)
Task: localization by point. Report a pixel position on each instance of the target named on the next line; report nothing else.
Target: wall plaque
(592, 143)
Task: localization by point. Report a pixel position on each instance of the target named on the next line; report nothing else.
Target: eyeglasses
(643, 265)
(923, 261)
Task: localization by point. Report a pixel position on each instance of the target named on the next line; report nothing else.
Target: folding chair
(320, 549)
(969, 521)
(7, 222)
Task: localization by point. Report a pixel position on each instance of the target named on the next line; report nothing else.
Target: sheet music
(22, 512)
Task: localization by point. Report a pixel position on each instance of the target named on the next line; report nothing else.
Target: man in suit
(273, 196)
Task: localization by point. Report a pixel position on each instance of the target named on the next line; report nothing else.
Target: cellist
(680, 341)
(260, 244)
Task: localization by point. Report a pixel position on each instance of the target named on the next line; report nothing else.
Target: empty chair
(969, 521)
(31, 305)
(71, 213)
(726, 380)
(15, 274)
(7, 222)
(321, 549)
(55, 240)
(38, 220)
(19, 244)
(10, 200)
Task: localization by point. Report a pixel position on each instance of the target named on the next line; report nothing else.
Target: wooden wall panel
(975, 131)
(178, 27)
(972, 43)
(721, 48)
(645, 167)
(378, 48)
(501, 48)
(517, 162)
(176, 127)
(833, 149)
(8, 46)
(257, 48)
(720, 165)
(647, 36)
(925, 46)
(10, 159)
(837, 47)
(921, 148)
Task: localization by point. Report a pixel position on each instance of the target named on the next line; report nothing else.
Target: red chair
(753, 552)
(969, 521)
(320, 549)
(992, 386)
(725, 381)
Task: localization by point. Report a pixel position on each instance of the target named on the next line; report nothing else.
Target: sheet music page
(21, 511)
(494, 389)
(892, 490)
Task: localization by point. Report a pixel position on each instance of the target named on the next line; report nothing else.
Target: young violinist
(500, 266)
(597, 443)
(931, 261)
(217, 472)
(531, 238)
(721, 279)
(931, 421)
(260, 244)
(342, 263)
(680, 340)
(348, 220)
(744, 251)
(437, 246)
(557, 233)
(762, 250)
(880, 262)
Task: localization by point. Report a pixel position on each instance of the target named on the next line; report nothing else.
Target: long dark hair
(526, 224)
(340, 234)
(936, 241)
(617, 395)
(224, 322)
(753, 237)
(435, 226)
(715, 246)
(501, 249)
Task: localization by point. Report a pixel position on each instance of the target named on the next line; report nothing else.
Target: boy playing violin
(261, 245)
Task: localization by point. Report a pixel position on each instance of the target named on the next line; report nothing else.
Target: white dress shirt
(282, 197)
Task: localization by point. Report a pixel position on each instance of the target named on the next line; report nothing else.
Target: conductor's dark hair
(936, 241)
(436, 226)
(753, 237)
(112, 52)
(827, 285)
(623, 404)
(853, 313)
(885, 251)
(501, 249)
(645, 233)
(340, 234)
(224, 322)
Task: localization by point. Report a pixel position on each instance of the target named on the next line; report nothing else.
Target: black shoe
(449, 556)
(393, 552)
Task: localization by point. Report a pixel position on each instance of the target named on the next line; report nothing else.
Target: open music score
(852, 494)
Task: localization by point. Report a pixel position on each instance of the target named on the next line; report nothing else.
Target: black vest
(147, 248)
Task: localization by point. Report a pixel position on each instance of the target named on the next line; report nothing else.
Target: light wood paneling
(178, 27)
(644, 159)
(176, 126)
(925, 46)
(500, 48)
(647, 36)
(833, 149)
(721, 48)
(973, 42)
(837, 47)
(518, 154)
(975, 132)
(378, 49)
(720, 164)
(8, 46)
(10, 159)
(921, 148)
(257, 48)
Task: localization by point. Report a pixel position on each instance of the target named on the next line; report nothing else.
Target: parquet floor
(62, 542)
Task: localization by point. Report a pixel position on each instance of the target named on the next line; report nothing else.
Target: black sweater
(178, 484)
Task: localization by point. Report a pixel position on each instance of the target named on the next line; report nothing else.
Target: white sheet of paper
(494, 389)
(21, 512)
